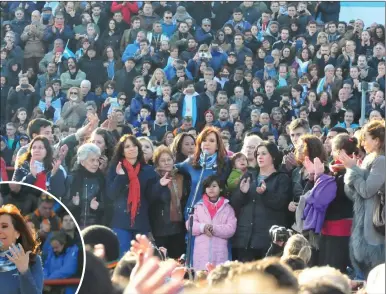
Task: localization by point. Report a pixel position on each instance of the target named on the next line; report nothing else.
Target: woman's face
(22, 116)
(203, 67)
(209, 118)
(159, 75)
(312, 97)
(295, 93)
(227, 31)
(209, 144)
(112, 25)
(261, 54)
(99, 141)
(130, 150)
(187, 146)
(91, 163)
(38, 151)
(286, 52)
(305, 55)
(327, 120)
(8, 234)
(294, 27)
(338, 72)
(109, 53)
(165, 162)
(109, 90)
(277, 116)
(147, 150)
(74, 94)
(142, 91)
(248, 78)
(213, 191)
(221, 36)
(49, 92)
(263, 158)
(317, 132)
(379, 32)
(369, 144)
(314, 72)
(169, 139)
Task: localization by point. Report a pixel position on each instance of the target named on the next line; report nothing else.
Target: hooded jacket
(269, 35)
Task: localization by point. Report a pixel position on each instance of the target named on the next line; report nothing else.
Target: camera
(279, 234)
(203, 54)
(288, 150)
(24, 86)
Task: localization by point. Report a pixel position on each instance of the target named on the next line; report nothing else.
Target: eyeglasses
(142, 90)
(109, 87)
(73, 93)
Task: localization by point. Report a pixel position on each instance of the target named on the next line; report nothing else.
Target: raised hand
(245, 185)
(309, 166)
(164, 181)
(94, 204)
(76, 199)
(55, 166)
(103, 162)
(119, 169)
(32, 167)
(19, 257)
(262, 188)
(142, 244)
(347, 161)
(319, 167)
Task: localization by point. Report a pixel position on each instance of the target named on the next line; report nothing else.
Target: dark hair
(294, 262)
(47, 161)
(118, 152)
(339, 130)
(177, 145)
(166, 135)
(59, 236)
(345, 142)
(27, 239)
(109, 141)
(312, 147)
(273, 150)
(237, 156)
(36, 124)
(210, 180)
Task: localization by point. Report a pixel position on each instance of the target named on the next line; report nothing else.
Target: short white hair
(86, 150)
(86, 83)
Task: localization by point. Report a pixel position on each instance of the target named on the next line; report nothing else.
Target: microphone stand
(189, 252)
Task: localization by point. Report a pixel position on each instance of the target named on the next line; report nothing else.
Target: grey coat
(367, 246)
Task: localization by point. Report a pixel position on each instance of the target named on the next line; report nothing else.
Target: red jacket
(127, 10)
(3, 170)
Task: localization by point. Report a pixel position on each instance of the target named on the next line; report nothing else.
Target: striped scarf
(5, 264)
(211, 161)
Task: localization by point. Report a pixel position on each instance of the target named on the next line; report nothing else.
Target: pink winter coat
(212, 249)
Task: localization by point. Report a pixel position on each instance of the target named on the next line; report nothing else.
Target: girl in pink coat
(214, 222)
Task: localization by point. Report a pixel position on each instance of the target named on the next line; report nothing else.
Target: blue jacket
(203, 37)
(136, 104)
(120, 185)
(170, 72)
(31, 282)
(49, 37)
(63, 266)
(188, 170)
(168, 30)
(218, 60)
(130, 50)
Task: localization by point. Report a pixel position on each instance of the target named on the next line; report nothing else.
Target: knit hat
(268, 59)
(206, 21)
(97, 234)
(181, 14)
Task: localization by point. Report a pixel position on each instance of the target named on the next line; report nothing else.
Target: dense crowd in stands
(56, 238)
(132, 113)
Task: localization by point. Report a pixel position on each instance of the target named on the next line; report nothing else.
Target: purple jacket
(212, 249)
(321, 196)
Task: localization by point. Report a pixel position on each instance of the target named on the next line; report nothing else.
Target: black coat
(160, 209)
(26, 202)
(124, 81)
(95, 71)
(256, 213)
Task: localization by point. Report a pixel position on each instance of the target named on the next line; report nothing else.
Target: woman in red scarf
(129, 183)
(37, 167)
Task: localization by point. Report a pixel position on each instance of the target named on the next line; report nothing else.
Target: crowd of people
(235, 127)
(48, 239)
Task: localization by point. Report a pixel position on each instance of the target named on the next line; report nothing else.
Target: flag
(67, 53)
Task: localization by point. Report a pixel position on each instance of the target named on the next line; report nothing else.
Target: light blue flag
(67, 53)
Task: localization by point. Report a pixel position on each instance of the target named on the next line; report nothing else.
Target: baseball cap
(206, 21)
(268, 59)
(232, 53)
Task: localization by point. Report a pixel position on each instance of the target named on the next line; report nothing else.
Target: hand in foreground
(19, 257)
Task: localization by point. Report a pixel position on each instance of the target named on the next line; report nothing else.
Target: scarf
(211, 161)
(213, 208)
(134, 195)
(73, 75)
(41, 180)
(5, 264)
(176, 187)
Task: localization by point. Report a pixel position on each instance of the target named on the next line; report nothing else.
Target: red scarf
(134, 195)
(41, 180)
(213, 208)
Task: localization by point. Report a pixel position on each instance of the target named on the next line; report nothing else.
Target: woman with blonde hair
(74, 110)
(322, 39)
(147, 148)
(157, 81)
(299, 246)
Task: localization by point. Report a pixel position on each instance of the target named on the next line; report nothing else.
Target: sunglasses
(46, 197)
(73, 93)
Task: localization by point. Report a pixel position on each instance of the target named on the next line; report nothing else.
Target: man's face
(136, 24)
(84, 89)
(86, 18)
(239, 92)
(274, 28)
(248, 36)
(238, 75)
(144, 113)
(248, 61)
(190, 89)
(264, 119)
(348, 117)
(332, 28)
(223, 115)
(239, 127)
(140, 37)
(379, 97)
(9, 37)
(341, 28)
(222, 99)
(19, 15)
(342, 95)
(265, 17)
(312, 28)
(47, 132)
(168, 18)
(330, 72)
(143, 46)
(45, 209)
(284, 35)
(268, 88)
(291, 11)
(362, 63)
(350, 47)
(234, 111)
(10, 131)
(296, 134)
(211, 86)
(148, 9)
(71, 64)
(67, 223)
(354, 73)
(183, 28)
(238, 40)
(173, 108)
(255, 117)
(35, 16)
(51, 68)
(160, 117)
(231, 59)
(379, 50)
(331, 135)
(157, 28)
(237, 16)
(96, 11)
(191, 44)
(206, 27)
(118, 17)
(348, 88)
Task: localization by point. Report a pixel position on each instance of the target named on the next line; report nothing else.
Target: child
(239, 168)
(214, 223)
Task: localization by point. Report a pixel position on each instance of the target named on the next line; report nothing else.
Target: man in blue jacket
(131, 49)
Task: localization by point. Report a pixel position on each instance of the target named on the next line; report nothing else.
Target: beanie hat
(97, 234)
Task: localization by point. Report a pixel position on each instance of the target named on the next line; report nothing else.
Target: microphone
(206, 155)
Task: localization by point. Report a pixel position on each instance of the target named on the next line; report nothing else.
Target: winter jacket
(42, 82)
(130, 51)
(234, 179)
(94, 70)
(120, 185)
(203, 37)
(136, 104)
(18, 26)
(322, 194)
(193, 174)
(241, 53)
(367, 246)
(160, 219)
(175, 40)
(62, 266)
(158, 131)
(34, 46)
(68, 82)
(124, 80)
(49, 36)
(73, 115)
(147, 21)
(329, 11)
(23, 98)
(55, 183)
(109, 40)
(212, 249)
(127, 10)
(251, 14)
(257, 213)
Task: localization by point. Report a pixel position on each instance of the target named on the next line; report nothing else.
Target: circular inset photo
(41, 248)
